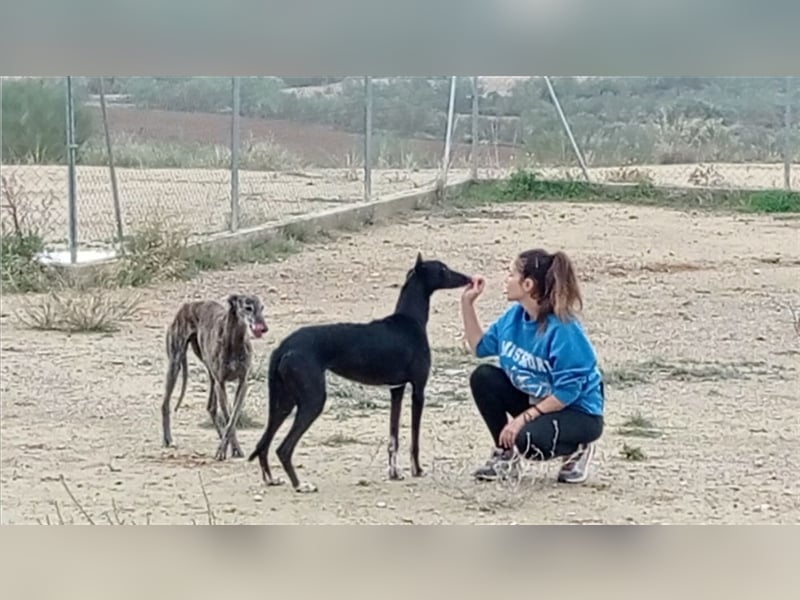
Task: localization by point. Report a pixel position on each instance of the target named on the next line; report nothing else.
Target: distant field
(318, 145)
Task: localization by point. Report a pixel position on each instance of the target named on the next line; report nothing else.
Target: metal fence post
(787, 136)
(367, 138)
(112, 170)
(474, 149)
(448, 136)
(71, 180)
(235, 134)
(567, 128)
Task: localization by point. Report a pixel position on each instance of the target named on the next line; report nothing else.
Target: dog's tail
(273, 373)
(184, 377)
(176, 348)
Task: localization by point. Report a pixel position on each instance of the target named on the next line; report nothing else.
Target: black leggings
(548, 436)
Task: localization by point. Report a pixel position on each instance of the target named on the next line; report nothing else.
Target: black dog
(392, 351)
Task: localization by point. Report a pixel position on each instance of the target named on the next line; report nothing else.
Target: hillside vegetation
(616, 121)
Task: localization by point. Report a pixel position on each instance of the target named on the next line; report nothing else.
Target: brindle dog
(220, 338)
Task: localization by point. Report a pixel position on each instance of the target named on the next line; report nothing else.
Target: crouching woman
(548, 381)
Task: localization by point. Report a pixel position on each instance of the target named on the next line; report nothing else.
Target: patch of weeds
(640, 421)
(705, 176)
(298, 232)
(632, 453)
(20, 270)
(245, 421)
(339, 387)
(78, 311)
(639, 426)
(155, 252)
(340, 439)
(23, 217)
(367, 404)
(686, 370)
(529, 185)
(451, 357)
(524, 186)
(260, 372)
(624, 377)
(161, 252)
(630, 174)
(206, 258)
(773, 201)
(676, 267)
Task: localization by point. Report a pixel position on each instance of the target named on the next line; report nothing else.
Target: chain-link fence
(215, 154)
(729, 132)
(210, 154)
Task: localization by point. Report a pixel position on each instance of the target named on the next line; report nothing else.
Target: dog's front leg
(394, 429)
(417, 403)
(222, 400)
(230, 429)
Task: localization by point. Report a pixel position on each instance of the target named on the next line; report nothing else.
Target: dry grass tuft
(76, 311)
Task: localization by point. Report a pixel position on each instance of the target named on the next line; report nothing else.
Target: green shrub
(34, 121)
(21, 272)
(524, 185)
(774, 201)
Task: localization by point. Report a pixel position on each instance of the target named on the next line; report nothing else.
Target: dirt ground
(685, 310)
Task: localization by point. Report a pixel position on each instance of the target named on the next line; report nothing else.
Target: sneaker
(576, 467)
(499, 465)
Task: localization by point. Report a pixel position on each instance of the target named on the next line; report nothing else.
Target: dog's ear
(233, 301)
(419, 260)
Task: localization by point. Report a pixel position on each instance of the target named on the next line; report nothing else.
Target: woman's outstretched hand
(473, 290)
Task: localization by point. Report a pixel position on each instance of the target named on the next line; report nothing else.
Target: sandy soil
(684, 310)
(200, 198)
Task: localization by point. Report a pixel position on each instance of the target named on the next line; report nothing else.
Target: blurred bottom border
(641, 560)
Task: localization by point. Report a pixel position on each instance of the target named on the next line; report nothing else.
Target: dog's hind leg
(280, 407)
(417, 403)
(306, 381)
(281, 401)
(394, 428)
(213, 403)
(230, 429)
(172, 378)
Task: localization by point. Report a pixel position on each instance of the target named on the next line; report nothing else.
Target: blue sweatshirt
(560, 360)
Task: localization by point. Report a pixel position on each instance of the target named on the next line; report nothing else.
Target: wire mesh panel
(408, 132)
(170, 144)
(723, 132)
(33, 172)
(302, 146)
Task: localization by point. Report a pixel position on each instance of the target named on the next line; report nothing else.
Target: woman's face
(517, 287)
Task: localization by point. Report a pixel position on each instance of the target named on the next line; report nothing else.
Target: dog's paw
(236, 452)
(221, 454)
(306, 488)
(274, 482)
(418, 472)
(396, 475)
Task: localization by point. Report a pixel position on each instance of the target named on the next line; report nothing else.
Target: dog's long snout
(457, 279)
(259, 328)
